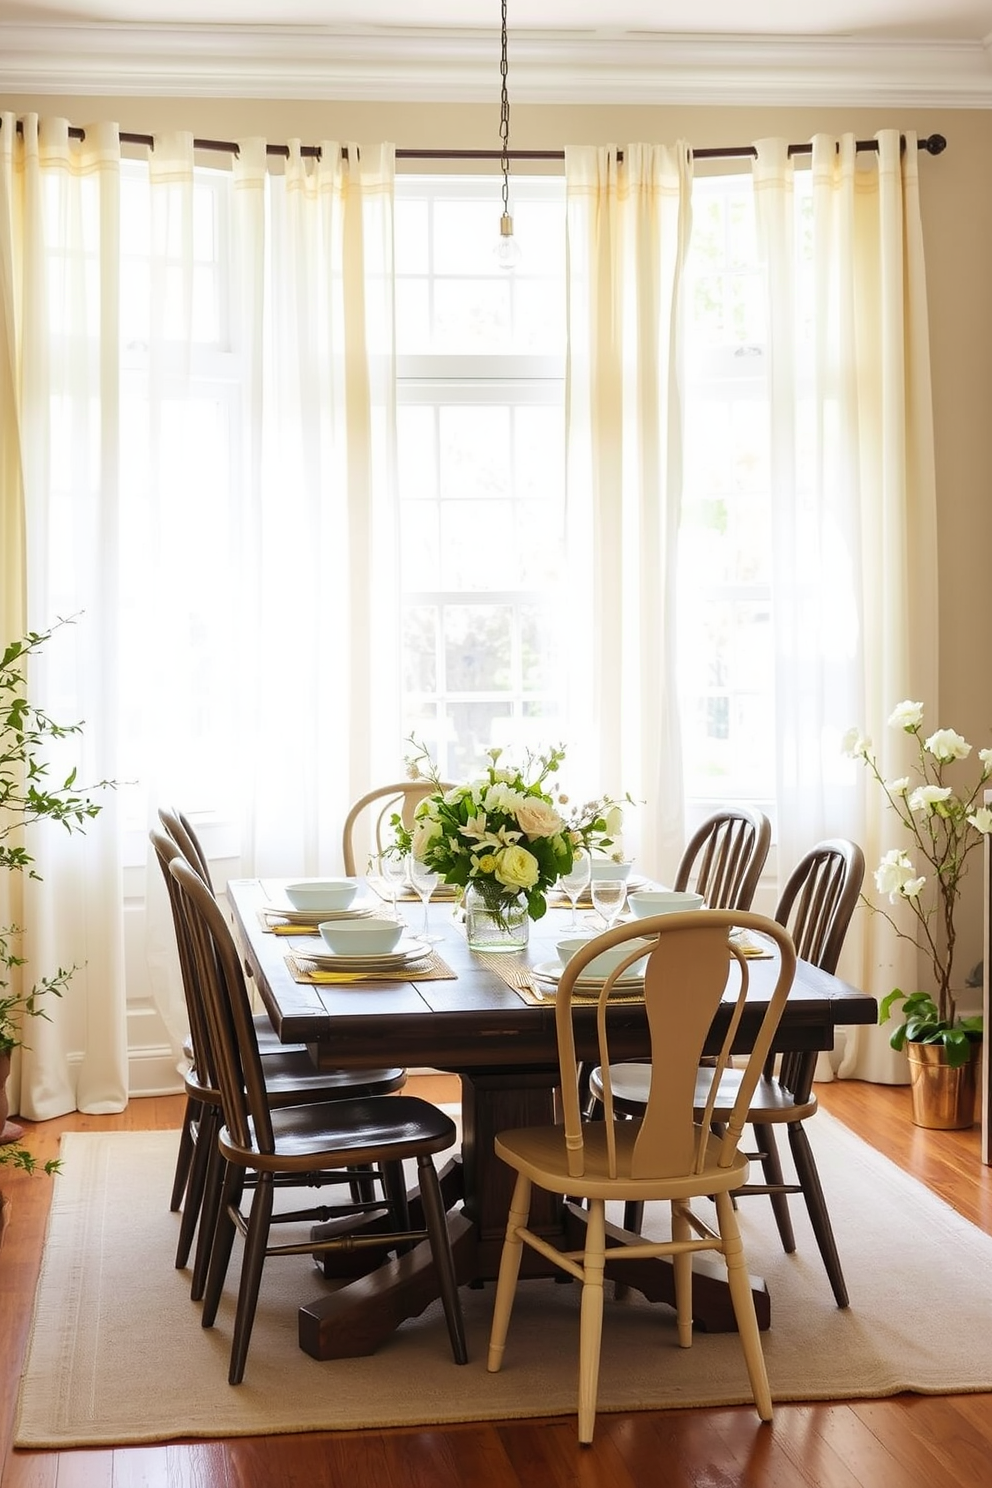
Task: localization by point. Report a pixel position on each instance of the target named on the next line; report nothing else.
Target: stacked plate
(285, 911)
(406, 954)
(632, 980)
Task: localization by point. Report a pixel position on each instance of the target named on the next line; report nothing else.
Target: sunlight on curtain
(60, 410)
(268, 669)
(628, 229)
(854, 511)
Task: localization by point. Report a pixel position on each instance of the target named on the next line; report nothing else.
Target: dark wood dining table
(504, 1049)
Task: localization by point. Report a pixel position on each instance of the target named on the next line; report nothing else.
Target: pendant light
(507, 250)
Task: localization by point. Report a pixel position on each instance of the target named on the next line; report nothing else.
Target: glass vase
(495, 921)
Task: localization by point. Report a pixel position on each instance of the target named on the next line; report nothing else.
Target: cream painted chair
(367, 826)
(668, 1153)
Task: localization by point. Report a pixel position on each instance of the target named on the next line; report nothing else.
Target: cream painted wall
(956, 192)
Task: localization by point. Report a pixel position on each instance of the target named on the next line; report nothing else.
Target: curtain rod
(932, 144)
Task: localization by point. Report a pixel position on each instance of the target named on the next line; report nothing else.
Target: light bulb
(507, 250)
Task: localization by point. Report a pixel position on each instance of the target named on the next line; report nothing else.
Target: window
(481, 459)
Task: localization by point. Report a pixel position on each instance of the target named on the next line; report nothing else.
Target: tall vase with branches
(944, 823)
(27, 796)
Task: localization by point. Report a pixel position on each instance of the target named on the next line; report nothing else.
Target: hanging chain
(504, 116)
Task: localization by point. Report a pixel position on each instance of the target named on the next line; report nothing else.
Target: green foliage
(27, 796)
(922, 1024)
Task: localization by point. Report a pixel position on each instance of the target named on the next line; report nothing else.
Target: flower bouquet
(506, 838)
(944, 827)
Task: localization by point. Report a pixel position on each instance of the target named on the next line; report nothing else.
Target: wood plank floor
(905, 1442)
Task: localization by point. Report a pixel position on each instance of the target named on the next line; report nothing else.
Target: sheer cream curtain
(275, 591)
(60, 503)
(854, 514)
(628, 223)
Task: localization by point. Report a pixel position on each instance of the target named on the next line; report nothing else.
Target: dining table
(485, 1018)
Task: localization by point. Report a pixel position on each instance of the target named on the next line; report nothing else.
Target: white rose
(517, 868)
(926, 797)
(855, 744)
(906, 715)
(538, 819)
(981, 820)
(945, 745)
(614, 821)
(912, 887)
(985, 755)
(893, 872)
(424, 833)
(898, 787)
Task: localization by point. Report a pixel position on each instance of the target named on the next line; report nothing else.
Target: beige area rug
(117, 1354)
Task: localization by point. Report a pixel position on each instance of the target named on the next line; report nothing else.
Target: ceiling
(656, 51)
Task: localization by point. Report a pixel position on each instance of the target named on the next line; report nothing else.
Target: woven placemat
(430, 968)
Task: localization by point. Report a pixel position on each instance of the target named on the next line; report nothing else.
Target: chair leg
(256, 1245)
(771, 1166)
(209, 1209)
(444, 1264)
(633, 1216)
(184, 1157)
(591, 1318)
(203, 1144)
(682, 1275)
(743, 1304)
(222, 1243)
(809, 1180)
(509, 1270)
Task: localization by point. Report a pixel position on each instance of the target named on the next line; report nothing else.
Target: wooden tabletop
(476, 1021)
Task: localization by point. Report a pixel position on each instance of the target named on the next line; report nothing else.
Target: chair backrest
(724, 857)
(234, 1043)
(819, 899)
(367, 826)
(204, 1063)
(182, 834)
(692, 968)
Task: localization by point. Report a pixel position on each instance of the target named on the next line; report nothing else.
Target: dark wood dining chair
(724, 857)
(287, 1143)
(816, 906)
(289, 1075)
(668, 1153)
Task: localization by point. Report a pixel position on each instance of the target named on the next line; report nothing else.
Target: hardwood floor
(906, 1442)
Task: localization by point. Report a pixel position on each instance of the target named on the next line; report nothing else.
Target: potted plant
(26, 796)
(944, 825)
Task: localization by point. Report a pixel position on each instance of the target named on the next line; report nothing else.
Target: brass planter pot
(943, 1098)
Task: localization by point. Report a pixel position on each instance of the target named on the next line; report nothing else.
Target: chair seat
(540, 1153)
(291, 1080)
(771, 1101)
(347, 1133)
(268, 1040)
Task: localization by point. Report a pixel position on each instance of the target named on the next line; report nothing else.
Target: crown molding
(391, 64)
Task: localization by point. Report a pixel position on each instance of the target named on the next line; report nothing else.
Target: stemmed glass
(392, 871)
(574, 881)
(609, 895)
(425, 881)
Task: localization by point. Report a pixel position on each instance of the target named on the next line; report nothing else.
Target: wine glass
(574, 881)
(609, 895)
(392, 871)
(425, 881)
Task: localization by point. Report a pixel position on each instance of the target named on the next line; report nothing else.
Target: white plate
(405, 954)
(317, 916)
(550, 971)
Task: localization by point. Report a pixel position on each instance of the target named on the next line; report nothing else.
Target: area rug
(117, 1354)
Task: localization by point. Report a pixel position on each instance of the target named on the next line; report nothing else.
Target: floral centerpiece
(944, 826)
(504, 838)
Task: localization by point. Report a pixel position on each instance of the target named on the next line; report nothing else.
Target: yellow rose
(517, 868)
